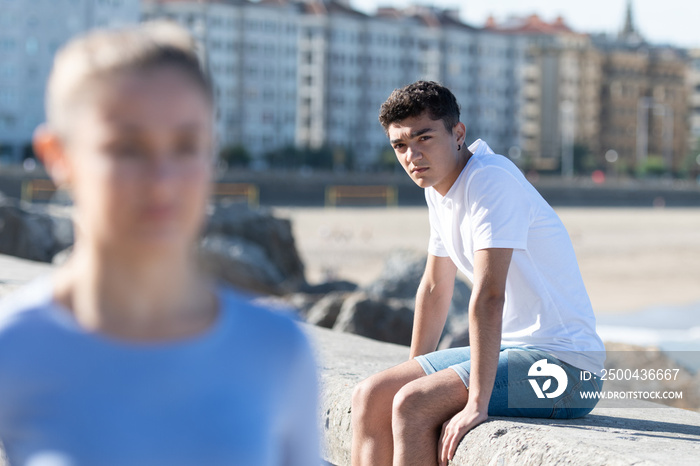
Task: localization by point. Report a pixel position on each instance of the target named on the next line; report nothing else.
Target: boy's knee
(360, 395)
(408, 403)
(366, 393)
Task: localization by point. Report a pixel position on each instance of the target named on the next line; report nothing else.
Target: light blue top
(242, 393)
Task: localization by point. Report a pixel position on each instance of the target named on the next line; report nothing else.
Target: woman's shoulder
(254, 315)
(25, 306)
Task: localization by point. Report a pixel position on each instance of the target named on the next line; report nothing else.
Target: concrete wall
(646, 434)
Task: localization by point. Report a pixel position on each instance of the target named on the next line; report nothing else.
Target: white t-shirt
(492, 205)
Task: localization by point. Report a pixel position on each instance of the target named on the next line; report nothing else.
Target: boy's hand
(454, 429)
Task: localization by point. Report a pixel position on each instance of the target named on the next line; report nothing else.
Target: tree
(235, 156)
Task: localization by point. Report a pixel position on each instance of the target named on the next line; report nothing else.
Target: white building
(314, 73)
(694, 105)
(31, 31)
(251, 50)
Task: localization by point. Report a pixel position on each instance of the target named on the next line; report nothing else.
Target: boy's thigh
(384, 385)
(433, 399)
(514, 392)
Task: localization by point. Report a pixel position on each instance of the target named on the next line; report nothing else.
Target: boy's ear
(51, 151)
(460, 131)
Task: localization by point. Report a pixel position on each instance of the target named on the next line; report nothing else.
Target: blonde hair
(100, 54)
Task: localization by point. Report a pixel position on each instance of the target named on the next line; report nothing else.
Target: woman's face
(139, 162)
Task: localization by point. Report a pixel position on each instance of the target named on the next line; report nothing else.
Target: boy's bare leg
(419, 410)
(372, 400)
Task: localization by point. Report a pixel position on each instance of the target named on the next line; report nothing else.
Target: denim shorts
(529, 382)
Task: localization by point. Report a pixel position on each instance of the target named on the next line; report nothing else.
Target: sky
(675, 22)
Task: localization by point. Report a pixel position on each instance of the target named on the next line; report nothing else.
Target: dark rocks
(329, 287)
(383, 310)
(325, 312)
(272, 236)
(248, 249)
(400, 276)
(252, 250)
(387, 320)
(221, 259)
(29, 233)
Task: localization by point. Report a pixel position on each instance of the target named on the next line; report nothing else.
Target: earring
(459, 147)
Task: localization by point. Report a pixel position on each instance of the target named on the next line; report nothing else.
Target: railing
(248, 191)
(38, 190)
(336, 195)
(43, 190)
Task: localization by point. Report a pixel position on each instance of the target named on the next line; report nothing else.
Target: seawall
(646, 434)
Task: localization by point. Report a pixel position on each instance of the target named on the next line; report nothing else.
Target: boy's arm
(485, 319)
(432, 304)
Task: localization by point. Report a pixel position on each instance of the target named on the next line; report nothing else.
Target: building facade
(644, 105)
(250, 51)
(693, 86)
(313, 74)
(560, 82)
(30, 34)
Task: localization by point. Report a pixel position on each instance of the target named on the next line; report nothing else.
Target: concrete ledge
(644, 435)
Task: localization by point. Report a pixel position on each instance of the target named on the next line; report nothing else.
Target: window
(7, 71)
(32, 46)
(7, 44)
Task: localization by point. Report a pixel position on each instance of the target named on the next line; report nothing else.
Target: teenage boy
(529, 310)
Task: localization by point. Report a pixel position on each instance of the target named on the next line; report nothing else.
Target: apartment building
(693, 86)
(250, 51)
(560, 86)
(30, 34)
(315, 73)
(644, 103)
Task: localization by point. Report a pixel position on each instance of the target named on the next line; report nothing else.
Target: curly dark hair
(414, 99)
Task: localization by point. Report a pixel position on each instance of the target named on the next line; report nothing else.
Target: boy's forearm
(432, 306)
(485, 320)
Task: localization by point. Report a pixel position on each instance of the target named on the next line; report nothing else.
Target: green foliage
(293, 157)
(653, 166)
(387, 161)
(584, 160)
(235, 156)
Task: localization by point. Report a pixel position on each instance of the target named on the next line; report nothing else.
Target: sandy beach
(630, 259)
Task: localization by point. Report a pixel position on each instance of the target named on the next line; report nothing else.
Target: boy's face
(428, 151)
(138, 157)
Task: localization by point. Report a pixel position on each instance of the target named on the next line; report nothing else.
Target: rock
(31, 234)
(387, 320)
(457, 336)
(248, 254)
(620, 357)
(272, 235)
(250, 250)
(649, 435)
(61, 257)
(400, 276)
(302, 302)
(325, 312)
(329, 287)
(236, 274)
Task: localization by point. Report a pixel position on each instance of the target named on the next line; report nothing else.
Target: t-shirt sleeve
(499, 209)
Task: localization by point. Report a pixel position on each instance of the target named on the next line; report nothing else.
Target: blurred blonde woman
(127, 355)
